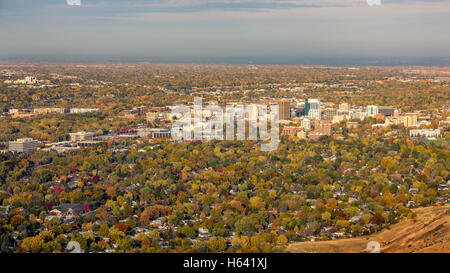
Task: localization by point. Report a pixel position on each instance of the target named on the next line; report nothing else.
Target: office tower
(312, 109)
(330, 113)
(410, 120)
(325, 128)
(299, 111)
(372, 110)
(284, 109)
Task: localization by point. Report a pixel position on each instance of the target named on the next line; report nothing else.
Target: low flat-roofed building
(315, 135)
(83, 110)
(23, 145)
(386, 110)
(81, 136)
(153, 133)
(61, 149)
(358, 115)
(425, 133)
(88, 143)
(291, 131)
(339, 118)
(49, 110)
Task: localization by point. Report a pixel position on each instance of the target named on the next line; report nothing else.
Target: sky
(224, 28)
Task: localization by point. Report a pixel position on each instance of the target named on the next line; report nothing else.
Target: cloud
(139, 10)
(298, 9)
(225, 27)
(246, 4)
(226, 4)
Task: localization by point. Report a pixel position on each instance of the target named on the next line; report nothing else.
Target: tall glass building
(312, 109)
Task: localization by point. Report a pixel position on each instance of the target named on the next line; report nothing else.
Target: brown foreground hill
(428, 233)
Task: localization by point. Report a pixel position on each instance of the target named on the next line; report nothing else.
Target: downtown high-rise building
(329, 113)
(312, 109)
(284, 108)
(325, 128)
(410, 120)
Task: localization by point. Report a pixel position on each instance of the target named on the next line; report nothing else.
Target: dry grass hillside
(428, 233)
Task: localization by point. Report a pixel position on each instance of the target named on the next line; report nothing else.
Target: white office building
(372, 110)
(425, 133)
(23, 145)
(153, 133)
(81, 136)
(306, 124)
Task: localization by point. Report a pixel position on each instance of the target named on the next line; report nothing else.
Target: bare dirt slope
(430, 232)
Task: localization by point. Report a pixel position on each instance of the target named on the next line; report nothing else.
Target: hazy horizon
(227, 31)
(241, 60)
